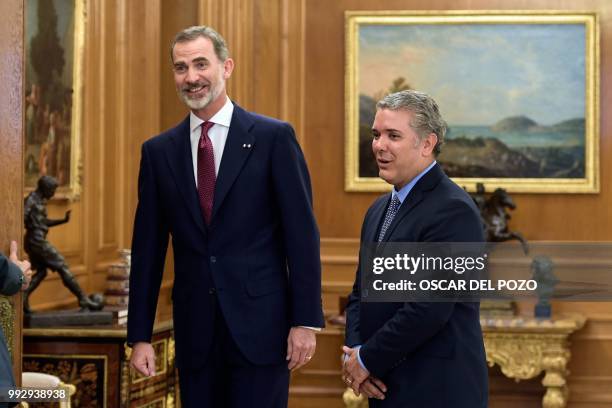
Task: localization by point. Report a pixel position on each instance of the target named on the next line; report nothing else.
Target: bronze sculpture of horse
(495, 216)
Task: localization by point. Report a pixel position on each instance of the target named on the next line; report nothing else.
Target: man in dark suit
(415, 354)
(232, 190)
(14, 275)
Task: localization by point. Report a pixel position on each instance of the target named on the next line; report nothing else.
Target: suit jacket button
(212, 291)
(213, 259)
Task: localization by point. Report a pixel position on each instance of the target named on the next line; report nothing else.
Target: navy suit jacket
(258, 260)
(428, 354)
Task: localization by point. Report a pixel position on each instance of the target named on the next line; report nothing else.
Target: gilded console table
(523, 347)
(96, 361)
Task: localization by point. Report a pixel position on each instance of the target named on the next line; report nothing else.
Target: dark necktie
(206, 172)
(389, 215)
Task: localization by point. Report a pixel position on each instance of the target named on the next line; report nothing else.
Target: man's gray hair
(426, 116)
(195, 32)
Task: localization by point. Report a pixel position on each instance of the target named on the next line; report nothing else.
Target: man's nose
(192, 75)
(379, 144)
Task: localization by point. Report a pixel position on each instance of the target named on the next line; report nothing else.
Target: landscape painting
(53, 42)
(518, 93)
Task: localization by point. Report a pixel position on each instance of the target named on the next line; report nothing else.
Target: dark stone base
(59, 318)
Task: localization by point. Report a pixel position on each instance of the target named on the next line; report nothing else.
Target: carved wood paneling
(293, 80)
(265, 39)
(234, 20)
(176, 16)
(11, 142)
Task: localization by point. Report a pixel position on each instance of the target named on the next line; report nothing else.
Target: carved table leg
(353, 401)
(125, 377)
(554, 364)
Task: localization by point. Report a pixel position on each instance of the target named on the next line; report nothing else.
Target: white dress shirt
(217, 134)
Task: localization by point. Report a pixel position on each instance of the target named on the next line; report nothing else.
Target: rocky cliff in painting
(486, 157)
(513, 147)
(514, 124)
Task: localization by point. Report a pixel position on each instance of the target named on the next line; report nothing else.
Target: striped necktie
(389, 215)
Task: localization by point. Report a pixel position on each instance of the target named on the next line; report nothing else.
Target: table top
(561, 323)
(107, 331)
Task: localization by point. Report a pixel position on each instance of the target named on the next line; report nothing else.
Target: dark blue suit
(428, 354)
(256, 266)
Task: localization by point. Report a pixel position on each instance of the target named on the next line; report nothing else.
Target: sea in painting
(513, 95)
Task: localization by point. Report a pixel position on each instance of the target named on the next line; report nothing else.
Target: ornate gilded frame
(71, 187)
(354, 20)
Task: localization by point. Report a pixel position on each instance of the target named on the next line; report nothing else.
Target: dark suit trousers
(229, 380)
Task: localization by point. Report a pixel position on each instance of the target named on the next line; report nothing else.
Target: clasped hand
(359, 379)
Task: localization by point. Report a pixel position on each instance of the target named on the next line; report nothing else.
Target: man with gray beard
(233, 191)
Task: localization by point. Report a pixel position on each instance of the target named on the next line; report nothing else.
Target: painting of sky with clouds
(481, 73)
(512, 94)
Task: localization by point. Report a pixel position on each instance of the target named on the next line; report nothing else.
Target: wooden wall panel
(142, 99)
(234, 20)
(121, 109)
(265, 39)
(106, 172)
(11, 144)
(176, 15)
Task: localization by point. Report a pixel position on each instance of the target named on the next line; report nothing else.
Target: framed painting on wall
(54, 31)
(519, 91)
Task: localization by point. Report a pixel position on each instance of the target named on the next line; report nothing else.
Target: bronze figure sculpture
(43, 255)
(495, 217)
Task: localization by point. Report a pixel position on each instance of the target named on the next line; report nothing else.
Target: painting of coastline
(515, 96)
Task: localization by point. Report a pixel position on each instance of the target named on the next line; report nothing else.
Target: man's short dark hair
(195, 32)
(426, 117)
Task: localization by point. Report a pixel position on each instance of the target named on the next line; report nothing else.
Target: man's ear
(228, 68)
(429, 143)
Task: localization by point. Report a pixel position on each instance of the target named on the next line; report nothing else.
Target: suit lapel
(416, 195)
(240, 142)
(376, 219)
(181, 164)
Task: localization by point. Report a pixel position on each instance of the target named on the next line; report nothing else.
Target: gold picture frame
(54, 41)
(387, 51)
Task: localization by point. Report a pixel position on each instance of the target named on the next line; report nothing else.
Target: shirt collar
(222, 117)
(403, 193)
